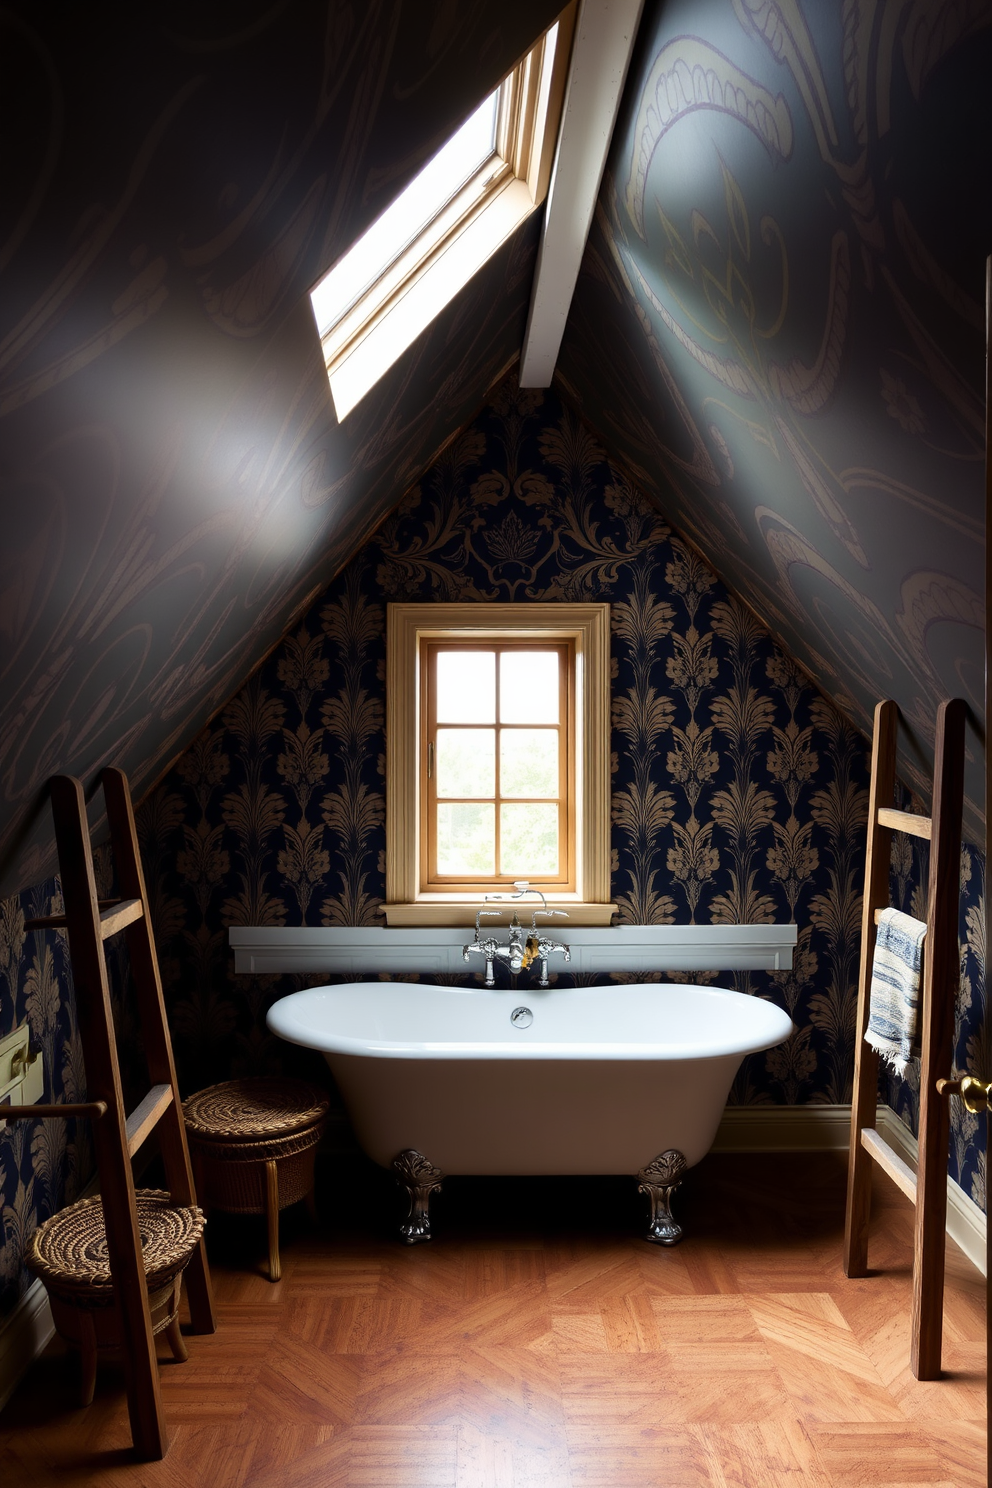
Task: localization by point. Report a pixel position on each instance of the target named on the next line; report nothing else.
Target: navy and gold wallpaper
(739, 791)
(780, 328)
(174, 486)
(43, 1164)
(778, 334)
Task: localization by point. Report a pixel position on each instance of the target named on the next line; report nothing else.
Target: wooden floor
(538, 1341)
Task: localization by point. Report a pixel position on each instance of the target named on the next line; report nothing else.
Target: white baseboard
(23, 1337)
(827, 1129)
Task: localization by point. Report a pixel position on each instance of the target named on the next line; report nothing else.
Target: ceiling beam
(604, 40)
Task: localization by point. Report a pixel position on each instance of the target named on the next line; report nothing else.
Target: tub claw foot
(420, 1178)
(659, 1180)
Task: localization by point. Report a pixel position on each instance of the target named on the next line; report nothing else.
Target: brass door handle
(974, 1093)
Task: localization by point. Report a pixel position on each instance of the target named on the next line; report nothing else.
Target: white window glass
(528, 762)
(528, 687)
(466, 762)
(466, 838)
(466, 687)
(408, 215)
(528, 839)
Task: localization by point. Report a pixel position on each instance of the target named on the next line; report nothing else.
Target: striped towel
(895, 987)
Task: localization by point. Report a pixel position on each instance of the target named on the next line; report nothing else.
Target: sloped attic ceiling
(174, 485)
(780, 327)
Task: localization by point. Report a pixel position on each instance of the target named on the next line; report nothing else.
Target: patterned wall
(738, 790)
(174, 486)
(43, 1164)
(780, 327)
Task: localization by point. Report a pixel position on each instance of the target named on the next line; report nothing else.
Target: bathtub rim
(518, 1049)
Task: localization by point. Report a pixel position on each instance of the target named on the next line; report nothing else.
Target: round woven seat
(253, 1144)
(69, 1253)
(251, 1110)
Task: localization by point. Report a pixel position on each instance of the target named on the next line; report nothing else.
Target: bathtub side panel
(534, 1117)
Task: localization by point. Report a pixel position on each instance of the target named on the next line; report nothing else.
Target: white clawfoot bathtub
(598, 1080)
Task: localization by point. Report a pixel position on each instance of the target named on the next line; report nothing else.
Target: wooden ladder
(117, 1136)
(927, 1187)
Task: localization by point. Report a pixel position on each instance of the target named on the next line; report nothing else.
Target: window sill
(455, 912)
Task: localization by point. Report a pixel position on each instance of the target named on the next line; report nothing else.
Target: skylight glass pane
(409, 214)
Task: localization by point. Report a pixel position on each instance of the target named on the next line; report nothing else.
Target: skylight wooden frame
(587, 626)
(363, 343)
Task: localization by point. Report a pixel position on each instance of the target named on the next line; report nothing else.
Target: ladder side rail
(864, 1104)
(96, 1027)
(941, 973)
(155, 1033)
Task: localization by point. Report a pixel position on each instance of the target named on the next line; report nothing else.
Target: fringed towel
(895, 987)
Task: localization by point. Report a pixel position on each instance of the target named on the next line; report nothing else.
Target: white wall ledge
(371, 951)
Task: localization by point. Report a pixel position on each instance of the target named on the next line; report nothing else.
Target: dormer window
(444, 226)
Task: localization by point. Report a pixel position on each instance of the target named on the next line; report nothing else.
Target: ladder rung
(147, 1115)
(93, 1110)
(114, 915)
(905, 821)
(890, 1162)
(119, 915)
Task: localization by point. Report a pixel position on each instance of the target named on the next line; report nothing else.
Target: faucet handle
(489, 914)
(546, 911)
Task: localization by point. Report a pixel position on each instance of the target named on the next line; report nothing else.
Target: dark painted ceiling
(778, 327)
(174, 485)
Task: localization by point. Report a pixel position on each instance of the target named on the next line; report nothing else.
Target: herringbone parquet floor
(538, 1342)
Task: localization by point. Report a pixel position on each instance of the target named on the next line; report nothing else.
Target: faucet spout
(519, 952)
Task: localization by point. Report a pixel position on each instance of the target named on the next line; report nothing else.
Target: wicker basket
(236, 1128)
(69, 1253)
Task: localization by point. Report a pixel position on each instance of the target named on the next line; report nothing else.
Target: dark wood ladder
(927, 1187)
(118, 1136)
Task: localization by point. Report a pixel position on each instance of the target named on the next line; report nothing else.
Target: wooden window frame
(360, 345)
(408, 626)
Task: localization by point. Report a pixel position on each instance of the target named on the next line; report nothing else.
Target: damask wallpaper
(780, 327)
(43, 1164)
(739, 792)
(174, 486)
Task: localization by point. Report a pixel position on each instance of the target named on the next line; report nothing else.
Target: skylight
(443, 227)
(412, 211)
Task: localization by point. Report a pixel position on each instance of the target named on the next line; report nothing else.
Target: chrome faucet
(518, 953)
(488, 946)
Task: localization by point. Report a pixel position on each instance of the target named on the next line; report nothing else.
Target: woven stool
(69, 1253)
(253, 1144)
